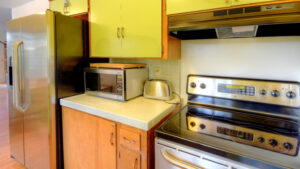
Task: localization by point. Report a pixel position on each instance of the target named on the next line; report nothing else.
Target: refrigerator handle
(17, 70)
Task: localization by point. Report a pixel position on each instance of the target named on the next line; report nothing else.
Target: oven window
(91, 81)
(111, 83)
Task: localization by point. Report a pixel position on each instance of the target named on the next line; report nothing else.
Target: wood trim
(83, 16)
(151, 137)
(237, 6)
(164, 31)
(90, 27)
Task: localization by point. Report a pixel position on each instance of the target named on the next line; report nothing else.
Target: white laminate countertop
(139, 112)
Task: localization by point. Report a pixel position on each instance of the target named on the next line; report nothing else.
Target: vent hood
(281, 19)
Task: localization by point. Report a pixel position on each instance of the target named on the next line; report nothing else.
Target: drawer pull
(129, 141)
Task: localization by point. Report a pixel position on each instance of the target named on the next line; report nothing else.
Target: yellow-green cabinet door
(182, 6)
(243, 2)
(74, 6)
(105, 28)
(142, 28)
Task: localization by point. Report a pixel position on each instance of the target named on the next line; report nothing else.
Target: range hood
(280, 19)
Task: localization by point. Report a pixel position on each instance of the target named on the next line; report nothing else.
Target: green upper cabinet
(73, 7)
(105, 28)
(126, 28)
(142, 22)
(182, 6)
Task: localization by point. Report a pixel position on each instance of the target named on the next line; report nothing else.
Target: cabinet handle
(118, 33)
(111, 138)
(123, 32)
(129, 141)
(135, 163)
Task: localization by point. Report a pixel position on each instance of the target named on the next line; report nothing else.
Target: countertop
(140, 112)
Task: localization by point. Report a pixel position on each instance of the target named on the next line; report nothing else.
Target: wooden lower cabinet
(91, 142)
(107, 143)
(128, 159)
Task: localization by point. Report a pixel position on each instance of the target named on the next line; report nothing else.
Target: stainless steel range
(232, 123)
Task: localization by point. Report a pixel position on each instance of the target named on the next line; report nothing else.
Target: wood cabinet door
(75, 6)
(142, 28)
(107, 142)
(79, 139)
(182, 6)
(128, 159)
(105, 22)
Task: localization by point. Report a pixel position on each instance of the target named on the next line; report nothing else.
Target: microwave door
(92, 81)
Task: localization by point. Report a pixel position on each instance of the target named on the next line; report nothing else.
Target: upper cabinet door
(105, 28)
(243, 2)
(142, 28)
(74, 6)
(182, 6)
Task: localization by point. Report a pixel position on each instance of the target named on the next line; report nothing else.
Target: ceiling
(12, 3)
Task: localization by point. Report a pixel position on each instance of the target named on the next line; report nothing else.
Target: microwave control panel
(272, 92)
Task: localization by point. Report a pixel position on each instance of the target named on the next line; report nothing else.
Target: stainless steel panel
(285, 13)
(36, 117)
(16, 125)
(134, 82)
(169, 155)
(235, 133)
(209, 86)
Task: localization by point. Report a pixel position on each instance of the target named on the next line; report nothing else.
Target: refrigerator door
(16, 130)
(35, 92)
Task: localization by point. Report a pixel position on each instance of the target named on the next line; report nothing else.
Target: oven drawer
(169, 155)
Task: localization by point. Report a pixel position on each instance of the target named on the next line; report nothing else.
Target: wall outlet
(157, 72)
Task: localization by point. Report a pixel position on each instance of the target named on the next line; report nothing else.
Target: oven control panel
(270, 141)
(272, 92)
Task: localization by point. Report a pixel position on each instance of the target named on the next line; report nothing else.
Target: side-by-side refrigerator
(45, 64)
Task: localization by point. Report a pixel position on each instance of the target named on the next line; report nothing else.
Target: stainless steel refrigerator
(45, 64)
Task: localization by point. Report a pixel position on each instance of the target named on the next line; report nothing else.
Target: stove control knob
(291, 94)
(193, 124)
(193, 85)
(261, 139)
(288, 146)
(263, 92)
(202, 126)
(273, 142)
(202, 85)
(275, 93)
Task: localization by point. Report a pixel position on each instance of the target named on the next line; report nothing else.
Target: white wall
(32, 7)
(5, 15)
(266, 58)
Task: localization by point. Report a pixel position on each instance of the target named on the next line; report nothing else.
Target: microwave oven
(116, 84)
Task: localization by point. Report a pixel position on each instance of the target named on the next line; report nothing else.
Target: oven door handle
(177, 161)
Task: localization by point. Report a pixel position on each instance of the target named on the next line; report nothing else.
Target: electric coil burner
(253, 122)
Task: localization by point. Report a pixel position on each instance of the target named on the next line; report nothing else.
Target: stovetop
(177, 129)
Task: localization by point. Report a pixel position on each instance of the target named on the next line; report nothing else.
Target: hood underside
(238, 22)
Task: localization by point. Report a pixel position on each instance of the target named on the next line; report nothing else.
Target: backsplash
(159, 69)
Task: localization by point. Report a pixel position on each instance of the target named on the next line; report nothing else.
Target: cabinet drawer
(130, 139)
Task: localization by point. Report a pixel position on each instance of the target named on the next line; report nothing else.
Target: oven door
(169, 155)
(108, 83)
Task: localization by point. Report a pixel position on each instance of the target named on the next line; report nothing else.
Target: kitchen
(267, 58)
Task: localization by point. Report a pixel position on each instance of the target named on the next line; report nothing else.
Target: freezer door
(16, 130)
(35, 92)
